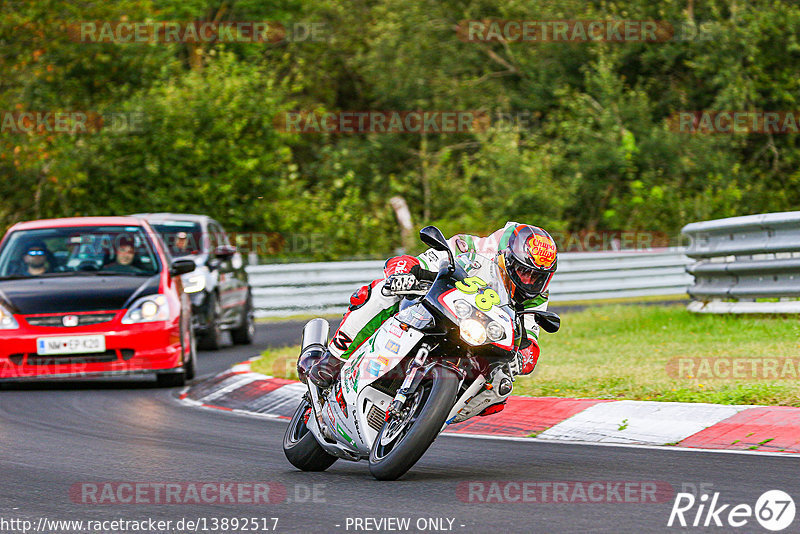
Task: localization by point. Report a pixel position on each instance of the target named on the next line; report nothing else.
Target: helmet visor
(531, 282)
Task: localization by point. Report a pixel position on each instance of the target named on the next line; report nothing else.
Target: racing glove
(400, 282)
(528, 357)
(401, 274)
(400, 265)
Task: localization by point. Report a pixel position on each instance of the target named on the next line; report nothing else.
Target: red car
(93, 296)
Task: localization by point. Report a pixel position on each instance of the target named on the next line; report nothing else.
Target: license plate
(70, 345)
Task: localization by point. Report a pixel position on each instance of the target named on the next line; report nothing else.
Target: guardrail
(321, 288)
(743, 260)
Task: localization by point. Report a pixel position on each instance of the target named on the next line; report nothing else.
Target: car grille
(83, 320)
(375, 418)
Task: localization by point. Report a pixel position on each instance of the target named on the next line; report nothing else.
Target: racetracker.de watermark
(71, 122)
(564, 31)
(389, 122)
(33, 365)
(122, 32)
(565, 491)
(727, 368)
(610, 240)
(259, 243)
(200, 492)
(735, 122)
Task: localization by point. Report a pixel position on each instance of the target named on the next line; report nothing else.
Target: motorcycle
(450, 352)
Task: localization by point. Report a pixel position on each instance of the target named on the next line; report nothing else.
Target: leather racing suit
(369, 307)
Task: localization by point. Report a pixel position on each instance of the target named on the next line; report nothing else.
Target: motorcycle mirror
(549, 321)
(434, 238)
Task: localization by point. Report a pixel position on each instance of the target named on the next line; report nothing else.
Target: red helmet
(528, 262)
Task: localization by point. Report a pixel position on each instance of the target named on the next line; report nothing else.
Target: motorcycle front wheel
(301, 447)
(403, 440)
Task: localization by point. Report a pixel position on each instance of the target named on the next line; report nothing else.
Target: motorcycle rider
(525, 256)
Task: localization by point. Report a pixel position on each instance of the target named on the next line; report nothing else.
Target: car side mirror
(549, 321)
(180, 267)
(224, 252)
(434, 238)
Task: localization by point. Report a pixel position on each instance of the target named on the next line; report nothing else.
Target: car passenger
(124, 257)
(181, 246)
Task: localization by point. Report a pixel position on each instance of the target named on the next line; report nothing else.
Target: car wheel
(246, 332)
(212, 338)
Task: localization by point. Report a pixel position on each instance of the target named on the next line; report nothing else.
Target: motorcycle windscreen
(487, 270)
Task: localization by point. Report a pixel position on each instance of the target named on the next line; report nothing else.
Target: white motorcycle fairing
(354, 410)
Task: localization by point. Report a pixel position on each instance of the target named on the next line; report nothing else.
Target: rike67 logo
(774, 510)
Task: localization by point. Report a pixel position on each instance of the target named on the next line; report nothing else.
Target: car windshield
(84, 250)
(183, 238)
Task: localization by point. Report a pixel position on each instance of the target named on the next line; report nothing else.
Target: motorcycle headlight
(462, 309)
(148, 310)
(495, 331)
(194, 282)
(7, 321)
(472, 332)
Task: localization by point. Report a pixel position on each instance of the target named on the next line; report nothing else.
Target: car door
(238, 273)
(231, 291)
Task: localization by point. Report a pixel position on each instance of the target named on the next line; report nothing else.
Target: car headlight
(148, 310)
(472, 332)
(7, 321)
(194, 282)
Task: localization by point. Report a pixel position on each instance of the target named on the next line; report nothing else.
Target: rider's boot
(325, 371)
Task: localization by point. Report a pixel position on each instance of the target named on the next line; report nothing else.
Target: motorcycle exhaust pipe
(315, 335)
(313, 344)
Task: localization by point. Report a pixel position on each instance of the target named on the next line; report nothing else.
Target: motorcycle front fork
(410, 383)
(416, 373)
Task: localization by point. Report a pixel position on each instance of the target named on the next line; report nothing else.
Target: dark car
(219, 289)
(92, 296)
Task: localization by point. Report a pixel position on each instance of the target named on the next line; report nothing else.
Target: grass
(623, 351)
(281, 362)
(297, 317)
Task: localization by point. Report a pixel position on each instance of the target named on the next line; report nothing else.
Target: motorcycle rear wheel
(301, 447)
(402, 441)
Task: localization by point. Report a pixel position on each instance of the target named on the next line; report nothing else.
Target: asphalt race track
(55, 436)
